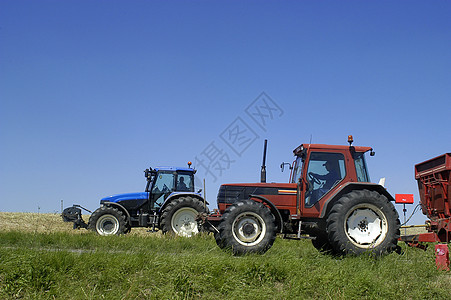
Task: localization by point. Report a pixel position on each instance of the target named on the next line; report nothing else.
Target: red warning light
(404, 198)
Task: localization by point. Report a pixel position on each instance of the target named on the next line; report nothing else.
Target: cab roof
(319, 147)
(163, 168)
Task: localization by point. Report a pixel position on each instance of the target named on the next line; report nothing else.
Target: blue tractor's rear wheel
(179, 216)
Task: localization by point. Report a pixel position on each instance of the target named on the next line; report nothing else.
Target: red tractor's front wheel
(246, 227)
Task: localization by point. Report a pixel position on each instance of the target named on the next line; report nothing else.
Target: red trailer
(434, 184)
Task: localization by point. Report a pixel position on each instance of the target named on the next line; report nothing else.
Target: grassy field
(43, 258)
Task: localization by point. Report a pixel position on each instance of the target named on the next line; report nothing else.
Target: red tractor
(328, 199)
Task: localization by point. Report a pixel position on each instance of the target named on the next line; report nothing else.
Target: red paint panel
(404, 198)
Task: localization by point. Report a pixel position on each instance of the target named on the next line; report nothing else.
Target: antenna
(263, 171)
(311, 136)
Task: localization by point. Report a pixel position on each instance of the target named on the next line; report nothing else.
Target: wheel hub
(183, 222)
(107, 225)
(248, 229)
(364, 227)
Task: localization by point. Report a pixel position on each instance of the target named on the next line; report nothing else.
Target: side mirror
(282, 166)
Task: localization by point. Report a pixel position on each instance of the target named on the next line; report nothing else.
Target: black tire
(108, 220)
(363, 221)
(128, 228)
(322, 244)
(179, 216)
(217, 239)
(246, 227)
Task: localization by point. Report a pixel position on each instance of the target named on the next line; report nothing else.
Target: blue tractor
(169, 203)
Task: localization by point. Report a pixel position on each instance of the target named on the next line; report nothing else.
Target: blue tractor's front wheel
(107, 221)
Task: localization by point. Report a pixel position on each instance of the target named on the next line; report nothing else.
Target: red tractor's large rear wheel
(246, 227)
(363, 221)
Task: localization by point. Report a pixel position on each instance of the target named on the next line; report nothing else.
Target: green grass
(62, 265)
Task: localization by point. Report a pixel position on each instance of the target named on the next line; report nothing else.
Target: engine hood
(126, 196)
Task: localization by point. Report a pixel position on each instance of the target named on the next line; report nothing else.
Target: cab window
(185, 183)
(360, 168)
(297, 171)
(325, 171)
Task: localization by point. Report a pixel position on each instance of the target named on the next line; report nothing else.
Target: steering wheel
(165, 188)
(313, 179)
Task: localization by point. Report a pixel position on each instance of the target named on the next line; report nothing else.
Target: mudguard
(181, 194)
(351, 186)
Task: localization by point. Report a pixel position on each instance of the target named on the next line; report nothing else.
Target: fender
(177, 195)
(273, 209)
(352, 186)
(121, 208)
(127, 196)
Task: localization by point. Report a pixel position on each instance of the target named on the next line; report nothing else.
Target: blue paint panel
(127, 196)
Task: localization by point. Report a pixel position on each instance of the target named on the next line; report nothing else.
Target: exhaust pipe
(263, 171)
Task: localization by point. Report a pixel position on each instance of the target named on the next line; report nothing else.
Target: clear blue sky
(94, 92)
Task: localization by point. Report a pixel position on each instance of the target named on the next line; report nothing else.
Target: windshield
(360, 168)
(163, 186)
(297, 171)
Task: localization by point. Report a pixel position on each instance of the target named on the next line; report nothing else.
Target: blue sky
(94, 92)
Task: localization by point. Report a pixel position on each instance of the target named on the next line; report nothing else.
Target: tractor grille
(229, 194)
